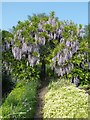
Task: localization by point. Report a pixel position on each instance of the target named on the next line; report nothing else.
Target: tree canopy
(44, 40)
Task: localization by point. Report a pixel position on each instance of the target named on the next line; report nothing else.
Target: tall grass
(21, 102)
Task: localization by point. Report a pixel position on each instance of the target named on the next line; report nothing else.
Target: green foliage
(21, 102)
(6, 36)
(83, 74)
(64, 100)
(26, 77)
(35, 54)
(57, 49)
(52, 14)
(68, 29)
(20, 25)
(7, 83)
(38, 17)
(80, 26)
(48, 27)
(43, 16)
(17, 43)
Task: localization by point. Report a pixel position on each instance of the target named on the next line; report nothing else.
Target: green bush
(21, 102)
(7, 83)
(64, 100)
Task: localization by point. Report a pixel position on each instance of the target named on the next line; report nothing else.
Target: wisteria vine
(29, 38)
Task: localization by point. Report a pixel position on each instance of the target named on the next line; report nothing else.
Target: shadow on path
(42, 90)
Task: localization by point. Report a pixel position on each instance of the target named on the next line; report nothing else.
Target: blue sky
(12, 12)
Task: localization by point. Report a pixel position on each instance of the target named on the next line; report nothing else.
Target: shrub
(7, 83)
(64, 100)
(20, 103)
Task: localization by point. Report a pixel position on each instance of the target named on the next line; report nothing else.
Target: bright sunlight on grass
(64, 100)
(21, 101)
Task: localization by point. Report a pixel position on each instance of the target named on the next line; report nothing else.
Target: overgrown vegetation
(64, 100)
(21, 102)
(39, 48)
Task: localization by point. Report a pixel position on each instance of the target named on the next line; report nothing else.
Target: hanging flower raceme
(81, 33)
(17, 52)
(68, 43)
(33, 60)
(40, 27)
(76, 81)
(53, 22)
(36, 37)
(41, 40)
(24, 48)
(66, 55)
(29, 48)
(49, 20)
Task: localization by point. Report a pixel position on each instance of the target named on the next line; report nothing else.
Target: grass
(64, 100)
(21, 102)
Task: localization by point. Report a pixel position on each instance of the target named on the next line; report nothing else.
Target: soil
(40, 99)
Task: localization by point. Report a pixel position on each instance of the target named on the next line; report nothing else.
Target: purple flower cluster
(64, 70)
(41, 40)
(81, 33)
(17, 52)
(64, 55)
(60, 58)
(75, 80)
(51, 21)
(33, 60)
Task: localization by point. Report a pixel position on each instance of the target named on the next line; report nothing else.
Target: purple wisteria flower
(7, 46)
(17, 52)
(24, 48)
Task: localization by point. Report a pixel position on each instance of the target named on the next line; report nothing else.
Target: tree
(44, 40)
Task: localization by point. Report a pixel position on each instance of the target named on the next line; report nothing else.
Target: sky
(45, 0)
(12, 12)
